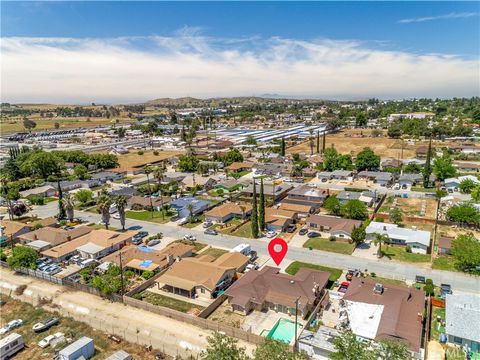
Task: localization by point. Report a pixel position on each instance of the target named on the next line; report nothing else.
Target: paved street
(382, 267)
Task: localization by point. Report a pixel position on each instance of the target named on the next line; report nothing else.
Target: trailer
(244, 249)
(10, 345)
(83, 347)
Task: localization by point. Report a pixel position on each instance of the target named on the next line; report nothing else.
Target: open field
(133, 160)
(14, 309)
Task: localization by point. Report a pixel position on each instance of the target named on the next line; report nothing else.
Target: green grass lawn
(388, 281)
(165, 301)
(293, 268)
(422, 189)
(197, 246)
(341, 247)
(152, 216)
(214, 252)
(243, 231)
(398, 253)
(100, 227)
(444, 262)
(435, 328)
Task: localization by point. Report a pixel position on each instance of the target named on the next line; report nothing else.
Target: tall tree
(261, 209)
(318, 142)
(443, 167)
(61, 210)
(348, 347)
(380, 239)
(427, 170)
(103, 204)
(310, 141)
(69, 206)
(121, 203)
(158, 174)
(221, 346)
(254, 217)
(282, 147)
(324, 141)
(147, 169)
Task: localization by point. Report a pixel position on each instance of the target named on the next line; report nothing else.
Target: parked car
(313, 234)
(303, 231)
(445, 289)
(46, 341)
(134, 227)
(253, 256)
(291, 228)
(116, 216)
(420, 279)
(11, 325)
(343, 287)
(207, 224)
(183, 221)
(153, 242)
(210, 232)
(140, 235)
(189, 237)
(271, 234)
(45, 324)
(66, 228)
(253, 266)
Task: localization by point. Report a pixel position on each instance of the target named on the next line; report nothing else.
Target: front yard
(444, 262)
(340, 247)
(214, 252)
(243, 231)
(166, 301)
(197, 246)
(335, 274)
(399, 253)
(152, 216)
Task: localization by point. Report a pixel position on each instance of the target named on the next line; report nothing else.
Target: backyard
(399, 253)
(411, 206)
(335, 274)
(224, 315)
(166, 301)
(325, 244)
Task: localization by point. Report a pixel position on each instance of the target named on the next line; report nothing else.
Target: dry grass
(133, 160)
(224, 315)
(412, 206)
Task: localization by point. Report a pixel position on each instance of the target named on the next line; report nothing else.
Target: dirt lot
(132, 159)
(104, 347)
(224, 315)
(411, 206)
(454, 231)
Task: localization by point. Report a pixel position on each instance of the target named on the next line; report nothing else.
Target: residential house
(445, 244)
(417, 240)
(379, 177)
(378, 311)
(462, 316)
(228, 185)
(467, 167)
(302, 211)
(273, 192)
(279, 220)
(141, 258)
(104, 176)
(271, 169)
(174, 176)
(391, 163)
(192, 277)
(69, 185)
(421, 152)
(12, 230)
(412, 179)
(307, 195)
(192, 180)
(143, 202)
(126, 191)
(342, 175)
(47, 237)
(237, 167)
(324, 175)
(94, 245)
(228, 211)
(367, 197)
(40, 191)
(333, 226)
(268, 289)
(466, 149)
(181, 205)
(454, 183)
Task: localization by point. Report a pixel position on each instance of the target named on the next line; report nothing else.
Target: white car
(49, 339)
(189, 237)
(116, 216)
(396, 187)
(183, 221)
(10, 326)
(271, 234)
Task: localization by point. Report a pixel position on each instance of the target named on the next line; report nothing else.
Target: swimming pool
(283, 330)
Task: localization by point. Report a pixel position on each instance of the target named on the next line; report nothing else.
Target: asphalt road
(382, 267)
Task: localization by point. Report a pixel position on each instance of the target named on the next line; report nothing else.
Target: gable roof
(227, 209)
(56, 236)
(462, 316)
(334, 223)
(393, 231)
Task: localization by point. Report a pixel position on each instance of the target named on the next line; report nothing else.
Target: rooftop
(462, 316)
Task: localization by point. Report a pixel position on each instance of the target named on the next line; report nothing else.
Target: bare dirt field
(132, 159)
(454, 231)
(224, 315)
(411, 206)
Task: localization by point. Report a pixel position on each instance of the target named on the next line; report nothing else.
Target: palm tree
(121, 203)
(103, 205)
(147, 169)
(68, 204)
(379, 240)
(190, 210)
(243, 208)
(4, 180)
(311, 142)
(158, 175)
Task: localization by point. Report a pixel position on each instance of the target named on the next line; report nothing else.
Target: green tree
(367, 160)
(412, 168)
(68, 204)
(261, 209)
(467, 185)
(427, 170)
(348, 348)
(355, 209)
(254, 216)
(392, 350)
(429, 288)
(330, 157)
(81, 172)
(464, 213)
(190, 208)
(358, 235)
(466, 250)
(233, 155)
(250, 140)
(318, 142)
(394, 131)
(23, 257)
(443, 167)
(476, 194)
(147, 274)
(121, 204)
(188, 163)
(41, 164)
(61, 210)
(380, 239)
(361, 119)
(29, 124)
(395, 215)
(222, 347)
(276, 350)
(84, 197)
(282, 147)
(332, 204)
(103, 205)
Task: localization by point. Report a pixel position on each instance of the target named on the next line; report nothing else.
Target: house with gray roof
(382, 178)
(342, 175)
(413, 179)
(462, 319)
(418, 240)
(181, 205)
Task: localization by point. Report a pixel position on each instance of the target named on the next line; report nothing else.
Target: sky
(125, 52)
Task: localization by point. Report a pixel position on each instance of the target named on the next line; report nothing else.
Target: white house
(418, 240)
(462, 316)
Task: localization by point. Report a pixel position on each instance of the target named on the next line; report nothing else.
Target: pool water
(283, 330)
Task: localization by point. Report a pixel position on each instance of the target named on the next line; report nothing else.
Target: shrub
(380, 219)
(429, 289)
(141, 152)
(147, 274)
(332, 238)
(373, 274)
(156, 153)
(408, 249)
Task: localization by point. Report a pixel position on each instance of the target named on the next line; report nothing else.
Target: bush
(156, 153)
(37, 200)
(408, 249)
(332, 238)
(380, 219)
(147, 274)
(429, 289)
(373, 274)
(141, 152)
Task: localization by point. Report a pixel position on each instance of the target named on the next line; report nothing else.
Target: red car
(343, 287)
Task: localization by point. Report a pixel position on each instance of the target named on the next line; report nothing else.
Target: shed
(82, 347)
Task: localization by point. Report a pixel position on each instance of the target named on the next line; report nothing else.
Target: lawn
(388, 281)
(422, 189)
(165, 301)
(144, 215)
(101, 227)
(198, 221)
(14, 309)
(214, 252)
(341, 247)
(243, 231)
(197, 246)
(335, 274)
(399, 253)
(436, 328)
(444, 262)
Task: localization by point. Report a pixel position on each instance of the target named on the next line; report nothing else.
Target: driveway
(366, 250)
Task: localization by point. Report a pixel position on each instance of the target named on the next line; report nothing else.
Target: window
(14, 343)
(457, 340)
(202, 290)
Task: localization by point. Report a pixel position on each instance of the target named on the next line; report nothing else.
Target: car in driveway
(270, 234)
(153, 242)
(445, 289)
(11, 325)
(116, 216)
(182, 221)
(140, 235)
(313, 234)
(210, 232)
(134, 227)
(303, 231)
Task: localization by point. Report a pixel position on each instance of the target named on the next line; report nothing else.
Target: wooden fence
(212, 307)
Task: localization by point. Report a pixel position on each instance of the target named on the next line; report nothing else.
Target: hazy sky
(79, 52)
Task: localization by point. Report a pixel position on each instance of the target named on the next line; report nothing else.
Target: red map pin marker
(277, 248)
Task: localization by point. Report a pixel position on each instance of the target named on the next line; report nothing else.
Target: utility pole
(121, 275)
(295, 344)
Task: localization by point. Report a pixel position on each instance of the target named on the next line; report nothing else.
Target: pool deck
(257, 321)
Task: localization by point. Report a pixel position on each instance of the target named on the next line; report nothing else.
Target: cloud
(440, 17)
(132, 69)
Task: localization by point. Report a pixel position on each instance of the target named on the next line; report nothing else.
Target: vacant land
(243, 231)
(340, 247)
(134, 160)
(399, 253)
(166, 301)
(444, 262)
(335, 274)
(224, 315)
(411, 206)
(14, 309)
(197, 246)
